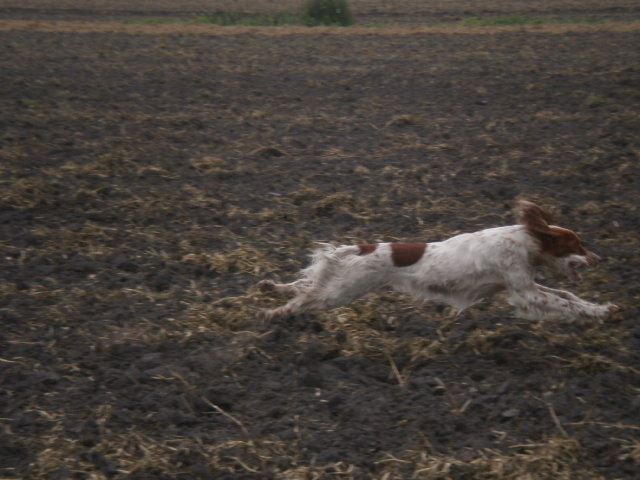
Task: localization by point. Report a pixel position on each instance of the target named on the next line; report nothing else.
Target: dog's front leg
(534, 302)
(611, 308)
(563, 294)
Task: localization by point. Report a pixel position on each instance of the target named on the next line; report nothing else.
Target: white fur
(460, 271)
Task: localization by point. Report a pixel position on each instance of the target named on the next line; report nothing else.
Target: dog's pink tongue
(576, 276)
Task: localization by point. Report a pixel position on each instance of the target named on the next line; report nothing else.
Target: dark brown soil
(147, 182)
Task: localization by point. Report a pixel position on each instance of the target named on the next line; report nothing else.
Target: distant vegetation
(229, 19)
(252, 20)
(327, 12)
(338, 13)
(313, 13)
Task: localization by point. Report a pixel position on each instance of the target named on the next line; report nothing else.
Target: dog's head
(560, 248)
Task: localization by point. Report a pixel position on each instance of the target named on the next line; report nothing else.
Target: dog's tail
(326, 261)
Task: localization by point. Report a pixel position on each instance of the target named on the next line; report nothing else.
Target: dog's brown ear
(535, 218)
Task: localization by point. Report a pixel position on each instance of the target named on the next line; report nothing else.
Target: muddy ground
(147, 182)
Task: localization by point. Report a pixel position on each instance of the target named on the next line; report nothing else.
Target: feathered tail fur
(326, 262)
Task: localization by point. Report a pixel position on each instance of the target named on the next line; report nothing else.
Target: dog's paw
(264, 314)
(606, 311)
(266, 286)
(613, 308)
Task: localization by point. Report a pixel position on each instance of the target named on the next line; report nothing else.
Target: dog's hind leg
(294, 287)
(303, 302)
(320, 298)
(335, 277)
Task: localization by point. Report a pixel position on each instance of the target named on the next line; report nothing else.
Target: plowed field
(150, 176)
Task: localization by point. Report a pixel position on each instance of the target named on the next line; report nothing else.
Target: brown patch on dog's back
(367, 248)
(405, 254)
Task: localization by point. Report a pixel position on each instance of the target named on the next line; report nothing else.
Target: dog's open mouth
(576, 269)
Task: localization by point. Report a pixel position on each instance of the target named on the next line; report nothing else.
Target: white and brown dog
(459, 271)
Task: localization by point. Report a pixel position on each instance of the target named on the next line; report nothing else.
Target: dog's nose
(593, 259)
